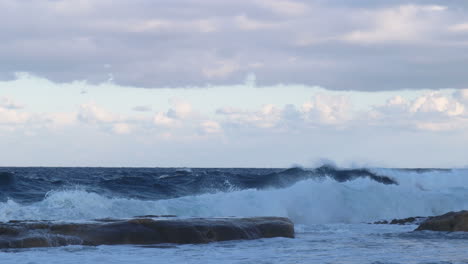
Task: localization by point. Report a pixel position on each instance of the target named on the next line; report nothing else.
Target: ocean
(333, 210)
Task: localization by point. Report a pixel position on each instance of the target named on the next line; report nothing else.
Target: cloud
(431, 111)
(8, 116)
(239, 126)
(92, 113)
(121, 128)
(161, 119)
(10, 113)
(406, 23)
(142, 108)
(284, 7)
(462, 95)
(463, 27)
(8, 103)
(220, 69)
(59, 120)
(180, 109)
(327, 109)
(246, 23)
(321, 110)
(211, 127)
(265, 118)
(370, 45)
(437, 103)
(159, 25)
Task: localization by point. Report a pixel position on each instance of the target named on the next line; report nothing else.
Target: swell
(6, 179)
(317, 200)
(28, 185)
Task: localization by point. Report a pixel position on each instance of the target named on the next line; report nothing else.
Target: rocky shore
(449, 222)
(27, 234)
(404, 221)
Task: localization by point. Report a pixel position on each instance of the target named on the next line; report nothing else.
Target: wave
(31, 184)
(310, 201)
(340, 175)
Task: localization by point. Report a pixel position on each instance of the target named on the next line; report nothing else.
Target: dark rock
(154, 216)
(142, 231)
(383, 222)
(107, 220)
(453, 221)
(408, 221)
(404, 221)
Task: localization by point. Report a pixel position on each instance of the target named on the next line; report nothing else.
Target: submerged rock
(453, 221)
(142, 231)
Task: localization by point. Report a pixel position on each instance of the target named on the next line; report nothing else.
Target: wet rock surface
(453, 221)
(26, 234)
(404, 221)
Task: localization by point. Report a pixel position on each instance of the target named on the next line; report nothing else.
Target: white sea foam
(306, 202)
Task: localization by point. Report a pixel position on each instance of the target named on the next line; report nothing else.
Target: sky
(259, 83)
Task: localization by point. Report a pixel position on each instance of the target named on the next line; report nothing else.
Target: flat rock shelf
(147, 230)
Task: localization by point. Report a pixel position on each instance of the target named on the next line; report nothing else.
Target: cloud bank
(340, 45)
(426, 128)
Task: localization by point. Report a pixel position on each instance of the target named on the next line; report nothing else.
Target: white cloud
(92, 113)
(322, 109)
(268, 116)
(161, 119)
(284, 7)
(10, 113)
(180, 115)
(180, 109)
(312, 120)
(9, 103)
(435, 102)
(462, 95)
(142, 108)
(245, 23)
(61, 119)
(211, 127)
(328, 109)
(165, 25)
(463, 27)
(406, 23)
(121, 128)
(221, 69)
(432, 111)
(11, 117)
(72, 7)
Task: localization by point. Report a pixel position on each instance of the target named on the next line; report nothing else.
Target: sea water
(332, 210)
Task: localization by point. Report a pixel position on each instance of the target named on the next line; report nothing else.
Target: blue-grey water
(330, 207)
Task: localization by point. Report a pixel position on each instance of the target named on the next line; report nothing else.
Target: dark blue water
(27, 185)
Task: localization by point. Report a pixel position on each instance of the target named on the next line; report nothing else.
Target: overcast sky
(233, 83)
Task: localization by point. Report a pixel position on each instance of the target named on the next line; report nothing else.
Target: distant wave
(340, 175)
(31, 184)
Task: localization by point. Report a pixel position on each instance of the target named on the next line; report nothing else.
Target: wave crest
(318, 200)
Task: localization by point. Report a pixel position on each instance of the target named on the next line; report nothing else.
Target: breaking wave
(308, 200)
